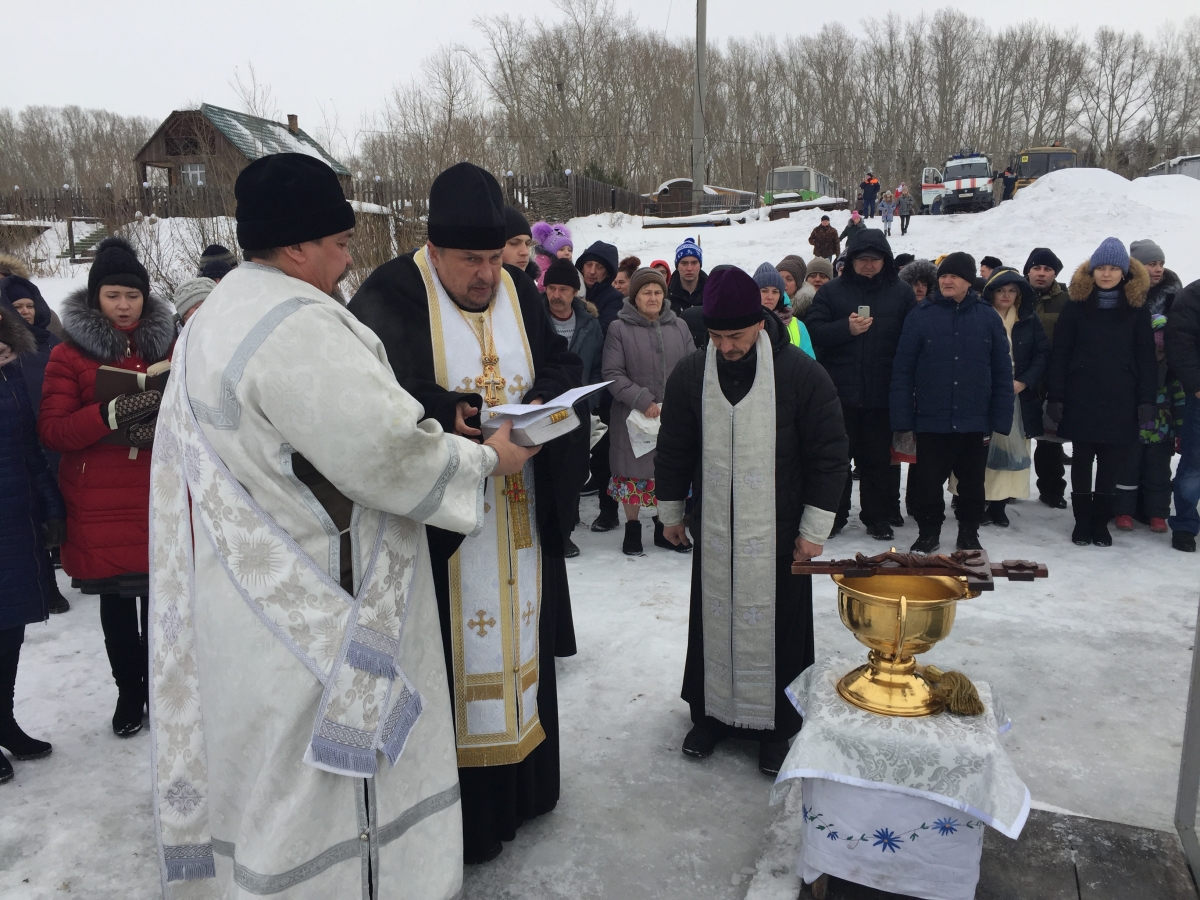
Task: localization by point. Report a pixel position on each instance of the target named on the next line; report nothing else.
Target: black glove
(1145, 413)
(54, 532)
(1054, 410)
(141, 434)
(129, 408)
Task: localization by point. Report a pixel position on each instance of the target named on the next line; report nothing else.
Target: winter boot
(771, 755)
(996, 514)
(700, 742)
(968, 537)
(12, 738)
(660, 539)
(570, 551)
(632, 545)
(606, 521)
(1102, 510)
(1124, 523)
(929, 539)
(1158, 525)
(128, 662)
(881, 531)
(1081, 506)
(1183, 540)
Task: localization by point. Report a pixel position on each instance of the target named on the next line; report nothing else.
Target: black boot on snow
(968, 537)
(771, 755)
(700, 742)
(632, 545)
(570, 551)
(928, 541)
(6, 769)
(606, 521)
(996, 514)
(1081, 506)
(127, 720)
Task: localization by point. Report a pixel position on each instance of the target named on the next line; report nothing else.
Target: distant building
(209, 146)
(1180, 165)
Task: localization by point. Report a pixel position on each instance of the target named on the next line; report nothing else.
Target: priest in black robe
(753, 429)
(429, 308)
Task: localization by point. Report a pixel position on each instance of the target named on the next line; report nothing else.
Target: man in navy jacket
(952, 386)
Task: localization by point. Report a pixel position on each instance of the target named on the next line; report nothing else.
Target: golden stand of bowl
(897, 616)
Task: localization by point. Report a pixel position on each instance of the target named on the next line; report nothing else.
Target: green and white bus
(787, 184)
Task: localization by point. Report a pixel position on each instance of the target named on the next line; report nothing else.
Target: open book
(534, 425)
(112, 382)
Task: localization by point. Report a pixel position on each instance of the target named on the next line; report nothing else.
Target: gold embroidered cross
(519, 387)
(528, 614)
(481, 623)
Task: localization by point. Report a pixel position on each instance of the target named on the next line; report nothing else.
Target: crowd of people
(850, 363)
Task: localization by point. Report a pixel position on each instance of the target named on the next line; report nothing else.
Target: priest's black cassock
(810, 464)
(393, 302)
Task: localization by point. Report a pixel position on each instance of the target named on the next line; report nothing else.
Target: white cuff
(815, 524)
(491, 459)
(670, 512)
(111, 414)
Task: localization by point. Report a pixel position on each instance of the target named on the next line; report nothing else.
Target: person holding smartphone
(855, 325)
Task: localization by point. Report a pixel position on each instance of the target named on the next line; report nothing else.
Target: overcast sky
(147, 57)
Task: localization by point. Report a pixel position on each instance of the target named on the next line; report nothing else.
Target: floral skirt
(632, 490)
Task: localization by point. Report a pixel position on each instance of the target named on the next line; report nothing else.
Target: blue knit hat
(767, 275)
(689, 247)
(1111, 253)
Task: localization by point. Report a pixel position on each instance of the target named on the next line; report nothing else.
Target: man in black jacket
(598, 265)
(1049, 461)
(686, 289)
(446, 313)
(750, 633)
(855, 323)
(1182, 344)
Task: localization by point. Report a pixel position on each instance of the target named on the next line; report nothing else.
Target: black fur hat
(289, 198)
(116, 262)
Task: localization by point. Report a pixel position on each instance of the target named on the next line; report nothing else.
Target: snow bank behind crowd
(1070, 211)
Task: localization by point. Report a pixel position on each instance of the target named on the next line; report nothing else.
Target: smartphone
(864, 312)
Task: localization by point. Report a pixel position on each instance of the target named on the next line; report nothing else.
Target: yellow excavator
(1033, 163)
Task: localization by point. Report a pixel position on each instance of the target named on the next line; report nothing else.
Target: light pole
(698, 154)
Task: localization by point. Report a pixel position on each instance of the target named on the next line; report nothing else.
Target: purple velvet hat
(731, 300)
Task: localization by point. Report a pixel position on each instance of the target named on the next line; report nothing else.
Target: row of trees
(593, 90)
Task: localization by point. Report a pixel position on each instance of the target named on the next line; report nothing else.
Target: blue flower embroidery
(885, 839)
(833, 835)
(946, 826)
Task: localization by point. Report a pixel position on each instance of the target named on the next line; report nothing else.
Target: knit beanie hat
(820, 266)
(731, 300)
(190, 293)
(16, 288)
(958, 263)
(855, 215)
(289, 198)
(689, 247)
(1041, 256)
(515, 224)
(116, 262)
(562, 271)
(466, 209)
(216, 270)
(767, 275)
(552, 238)
(1146, 252)
(991, 262)
(1111, 252)
(217, 253)
(643, 277)
(795, 265)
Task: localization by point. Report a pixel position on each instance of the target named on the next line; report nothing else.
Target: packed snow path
(1092, 665)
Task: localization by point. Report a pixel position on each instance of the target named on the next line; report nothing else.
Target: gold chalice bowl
(897, 616)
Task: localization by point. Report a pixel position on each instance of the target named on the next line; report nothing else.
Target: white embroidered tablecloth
(957, 761)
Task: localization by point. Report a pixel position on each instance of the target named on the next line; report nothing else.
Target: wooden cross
(491, 382)
(481, 623)
(528, 614)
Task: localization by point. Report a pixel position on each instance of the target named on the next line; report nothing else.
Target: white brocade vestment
(495, 582)
(303, 744)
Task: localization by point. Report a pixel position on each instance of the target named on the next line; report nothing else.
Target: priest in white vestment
(752, 430)
(465, 333)
(302, 737)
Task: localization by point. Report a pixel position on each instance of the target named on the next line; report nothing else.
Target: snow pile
(1070, 211)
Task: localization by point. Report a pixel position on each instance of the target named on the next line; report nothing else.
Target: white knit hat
(191, 293)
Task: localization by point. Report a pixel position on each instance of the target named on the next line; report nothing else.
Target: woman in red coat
(114, 322)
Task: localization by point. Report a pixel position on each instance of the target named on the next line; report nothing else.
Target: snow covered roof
(1174, 163)
(670, 181)
(256, 137)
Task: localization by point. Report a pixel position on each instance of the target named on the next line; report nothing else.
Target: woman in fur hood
(116, 322)
(1103, 380)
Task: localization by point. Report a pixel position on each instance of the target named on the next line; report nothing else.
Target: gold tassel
(955, 690)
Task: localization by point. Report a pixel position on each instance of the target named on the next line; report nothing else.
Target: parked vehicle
(964, 184)
(1033, 163)
(788, 184)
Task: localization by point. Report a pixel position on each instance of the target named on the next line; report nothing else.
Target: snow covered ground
(1092, 664)
(1070, 211)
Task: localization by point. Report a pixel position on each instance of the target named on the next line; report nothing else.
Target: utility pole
(698, 154)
